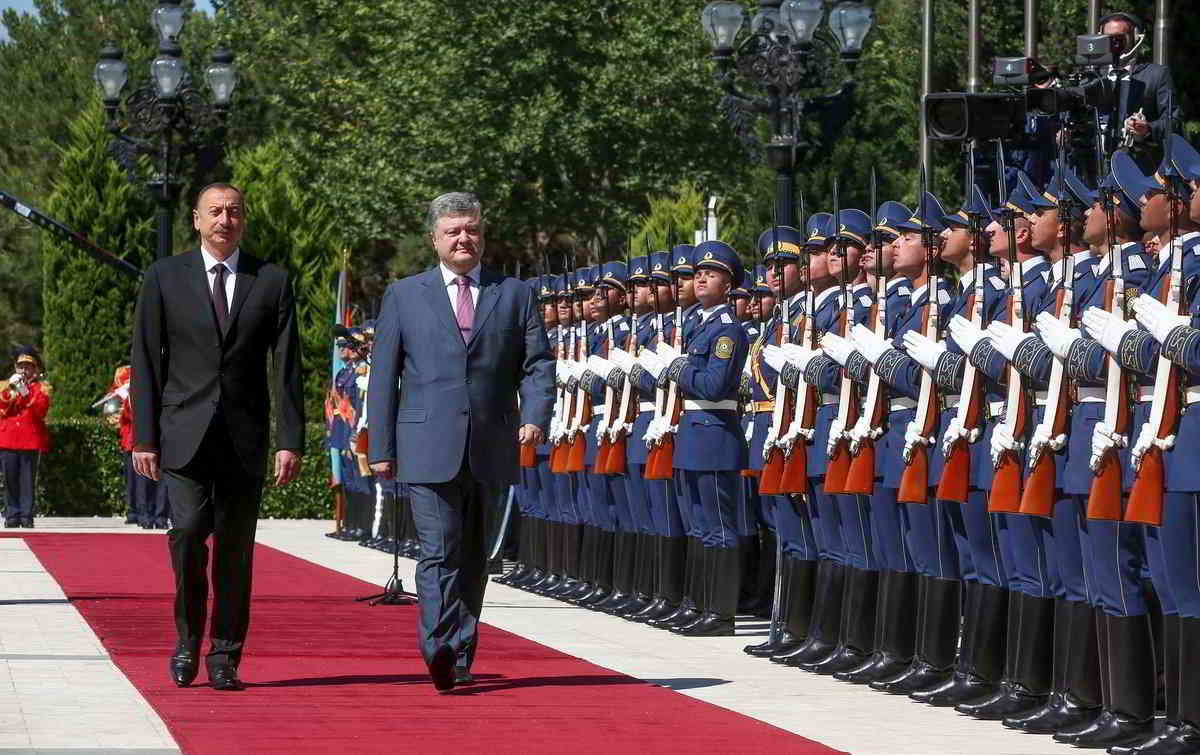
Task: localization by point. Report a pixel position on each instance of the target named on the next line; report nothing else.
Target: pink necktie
(465, 311)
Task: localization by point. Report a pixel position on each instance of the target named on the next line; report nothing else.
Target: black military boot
(937, 634)
(668, 566)
(554, 574)
(702, 591)
(1181, 735)
(981, 652)
(724, 580)
(602, 569)
(824, 627)
(569, 559)
(537, 557)
(1027, 681)
(857, 633)
(685, 612)
(764, 586)
(787, 640)
(585, 569)
(623, 561)
(895, 630)
(1076, 697)
(749, 603)
(643, 576)
(1128, 717)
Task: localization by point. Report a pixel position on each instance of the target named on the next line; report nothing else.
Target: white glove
(1159, 320)
(1006, 338)
(925, 350)
(667, 352)
(122, 392)
(599, 365)
(622, 359)
(769, 442)
(17, 383)
(362, 381)
(774, 357)
(1103, 439)
(965, 333)
(1002, 441)
(861, 431)
(652, 363)
(1146, 439)
(1106, 328)
(836, 434)
(1057, 336)
(798, 355)
(561, 372)
(837, 348)
(954, 431)
(868, 344)
(912, 439)
(1041, 442)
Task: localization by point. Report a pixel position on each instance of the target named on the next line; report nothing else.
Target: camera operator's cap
(1133, 182)
(660, 266)
(717, 255)
(854, 226)
(783, 242)
(614, 275)
(817, 228)
(933, 216)
(27, 355)
(889, 215)
(639, 269)
(682, 259)
(760, 281)
(976, 205)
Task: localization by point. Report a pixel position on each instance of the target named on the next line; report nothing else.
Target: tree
(89, 307)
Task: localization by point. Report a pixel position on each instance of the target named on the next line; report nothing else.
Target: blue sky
(27, 7)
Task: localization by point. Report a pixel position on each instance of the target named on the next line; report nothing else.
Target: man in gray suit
(454, 348)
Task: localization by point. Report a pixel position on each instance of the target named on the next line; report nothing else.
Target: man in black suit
(1143, 94)
(205, 322)
(455, 347)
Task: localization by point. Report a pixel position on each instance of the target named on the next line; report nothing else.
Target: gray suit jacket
(433, 398)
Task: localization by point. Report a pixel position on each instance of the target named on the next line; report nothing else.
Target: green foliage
(292, 225)
(89, 307)
(84, 475)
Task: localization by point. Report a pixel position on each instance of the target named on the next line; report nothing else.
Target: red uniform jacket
(23, 419)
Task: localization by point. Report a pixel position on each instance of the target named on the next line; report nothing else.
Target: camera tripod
(393, 593)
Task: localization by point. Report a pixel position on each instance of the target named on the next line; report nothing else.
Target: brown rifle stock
(914, 482)
(1038, 497)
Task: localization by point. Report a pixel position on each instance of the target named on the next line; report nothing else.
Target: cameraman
(1142, 94)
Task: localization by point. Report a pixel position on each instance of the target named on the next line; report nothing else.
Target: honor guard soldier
(710, 450)
(1163, 494)
(146, 499)
(758, 562)
(24, 401)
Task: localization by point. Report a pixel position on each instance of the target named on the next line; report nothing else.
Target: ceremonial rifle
(583, 400)
(807, 399)
(861, 478)
(1006, 478)
(848, 399)
(663, 455)
(1104, 497)
(566, 399)
(1149, 478)
(627, 410)
(603, 446)
(914, 482)
(781, 412)
(956, 470)
(1038, 497)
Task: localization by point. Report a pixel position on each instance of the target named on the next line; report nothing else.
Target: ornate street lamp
(797, 63)
(166, 117)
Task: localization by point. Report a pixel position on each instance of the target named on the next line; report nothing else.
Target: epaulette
(943, 297)
(997, 283)
(725, 318)
(864, 300)
(902, 290)
(1135, 262)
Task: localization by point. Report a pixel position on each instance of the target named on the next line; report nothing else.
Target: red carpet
(326, 674)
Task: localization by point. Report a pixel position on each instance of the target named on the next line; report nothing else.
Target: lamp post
(167, 117)
(790, 60)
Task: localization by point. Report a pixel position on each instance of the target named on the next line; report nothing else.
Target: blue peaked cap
(717, 255)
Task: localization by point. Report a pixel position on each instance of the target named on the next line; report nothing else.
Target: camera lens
(948, 118)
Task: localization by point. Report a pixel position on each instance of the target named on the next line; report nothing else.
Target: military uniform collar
(899, 280)
(706, 314)
(824, 296)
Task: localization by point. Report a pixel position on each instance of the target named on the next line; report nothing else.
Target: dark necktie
(219, 300)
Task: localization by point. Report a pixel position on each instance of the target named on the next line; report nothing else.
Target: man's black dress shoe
(462, 676)
(183, 668)
(441, 668)
(224, 678)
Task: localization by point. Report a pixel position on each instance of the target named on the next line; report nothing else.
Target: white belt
(1145, 393)
(995, 408)
(1039, 398)
(728, 405)
(1192, 395)
(1091, 394)
(902, 403)
(646, 406)
(951, 400)
(829, 398)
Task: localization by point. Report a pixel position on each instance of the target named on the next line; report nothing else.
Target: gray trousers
(451, 518)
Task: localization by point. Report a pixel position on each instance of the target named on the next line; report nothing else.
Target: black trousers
(450, 518)
(20, 480)
(213, 494)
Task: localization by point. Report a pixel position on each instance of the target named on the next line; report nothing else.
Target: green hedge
(84, 475)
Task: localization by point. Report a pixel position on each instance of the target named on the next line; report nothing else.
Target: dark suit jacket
(433, 398)
(1147, 88)
(185, 367)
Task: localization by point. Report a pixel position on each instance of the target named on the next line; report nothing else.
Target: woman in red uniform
(24, 401)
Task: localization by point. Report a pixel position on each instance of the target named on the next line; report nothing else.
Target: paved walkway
(58, 690)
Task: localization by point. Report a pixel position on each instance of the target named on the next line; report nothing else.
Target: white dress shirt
(230, 263)
(451, 279)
